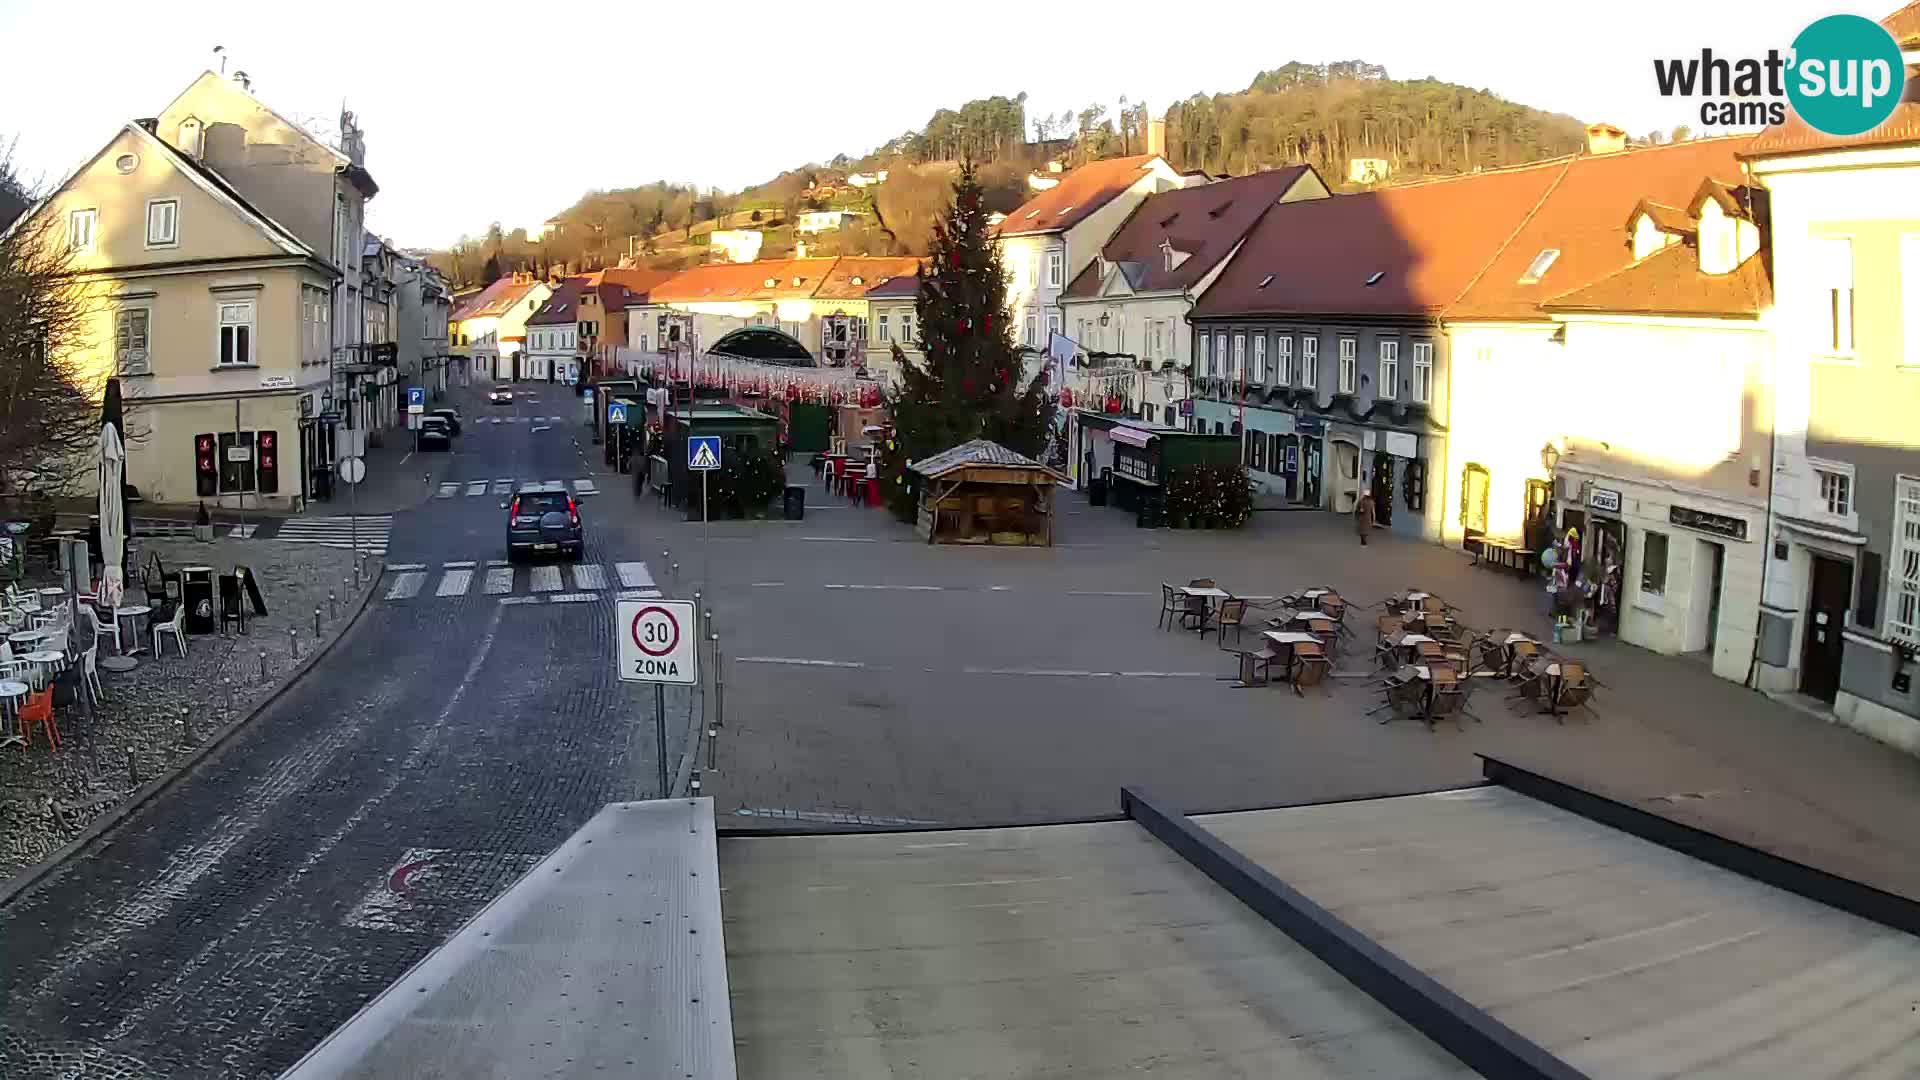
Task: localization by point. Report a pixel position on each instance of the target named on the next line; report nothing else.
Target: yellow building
(214, 315)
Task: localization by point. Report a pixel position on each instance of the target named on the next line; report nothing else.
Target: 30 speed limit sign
(659, 641)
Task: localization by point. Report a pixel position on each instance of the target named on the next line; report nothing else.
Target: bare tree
(49, 400)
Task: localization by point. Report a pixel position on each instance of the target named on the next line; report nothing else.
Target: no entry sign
(659, 641)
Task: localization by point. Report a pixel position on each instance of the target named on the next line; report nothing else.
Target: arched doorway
(1345, 481)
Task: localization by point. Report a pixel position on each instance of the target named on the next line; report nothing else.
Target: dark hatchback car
(433, 434)
(451, 416)
(543, 517)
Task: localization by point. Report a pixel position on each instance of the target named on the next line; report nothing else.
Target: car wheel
(512, 556)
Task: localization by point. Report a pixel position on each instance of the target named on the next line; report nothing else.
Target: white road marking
(589, 576)
(499, 562)
(447, 491)
(842, 539)
(951, 843)
(585, 487)
(406, 585)
(992, 881)
(1104, 592)
(895, 588)
(454, 583)
(546, 579)
(633, 575)
(503, 486)
(464, 565)
(407, 566)
(1000, 588)
(767, 584)
(476, 487)
(541, 427)
(639, 594)
(573, 598)
(1049, 672)
(499, 581)
(519, 600)
(797, 661)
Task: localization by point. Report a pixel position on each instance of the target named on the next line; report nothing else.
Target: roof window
(1066, 211)
(1031, 214)
(858, 280)
(1265, 281)
(1537, 269)
(1374, 278)
(771, 282)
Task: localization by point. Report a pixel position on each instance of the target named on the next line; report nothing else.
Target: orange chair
(38, 710)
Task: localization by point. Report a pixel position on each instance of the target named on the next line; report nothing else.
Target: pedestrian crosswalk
(450, 489)
(521, 420)
(369, 532)
(557, 583)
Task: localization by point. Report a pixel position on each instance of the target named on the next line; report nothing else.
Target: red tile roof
(1582, 216)
(563, 307)
(1669, 282)
(841, 283)
(896, 288)
(1204, 222)
(1427, 241)
(1667, 218)
(493, 300)
(636, 282)
(1796, 136)
(1078, 194)
(827, 278)
(1904, 25)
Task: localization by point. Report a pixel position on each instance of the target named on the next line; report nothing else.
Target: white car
(501, 395)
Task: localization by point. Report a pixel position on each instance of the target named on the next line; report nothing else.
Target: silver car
(543, 517)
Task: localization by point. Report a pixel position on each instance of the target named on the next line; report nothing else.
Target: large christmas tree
(969, 386)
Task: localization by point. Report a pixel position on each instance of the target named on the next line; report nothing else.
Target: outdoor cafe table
(1207, 594)
(10, 694)
(45, 658)
(125, 661)
(27, 637)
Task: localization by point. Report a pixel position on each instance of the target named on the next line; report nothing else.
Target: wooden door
(1820, 647)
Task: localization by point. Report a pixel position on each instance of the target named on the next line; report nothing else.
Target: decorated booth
(983, 493)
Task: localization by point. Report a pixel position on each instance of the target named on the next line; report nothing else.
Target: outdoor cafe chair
(1256, 666)
(1310, 666)
(90, 674)
(12, 668)
(38, 710)
(1574, 690)
(173, 628)
(1449, 696)
(1405, 696)
(1232, 613)
(1169, 606)
(109, 629)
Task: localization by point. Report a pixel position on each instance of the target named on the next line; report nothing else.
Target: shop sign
(1604, 499)
(1310, 425)
(1136, 468)
(1687, 517)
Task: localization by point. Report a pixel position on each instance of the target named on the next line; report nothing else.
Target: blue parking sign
(416, 399)
(703, 452)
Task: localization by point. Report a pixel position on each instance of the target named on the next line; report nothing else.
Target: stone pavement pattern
(161, 712)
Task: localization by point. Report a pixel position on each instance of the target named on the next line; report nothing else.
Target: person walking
(1363, 515)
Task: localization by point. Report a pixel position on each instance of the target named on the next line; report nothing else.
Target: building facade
(1841, 615)
(553, 333)
(892, 308)
(492, 324)
(423, 337)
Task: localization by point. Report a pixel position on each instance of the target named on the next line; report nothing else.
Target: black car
(544, 517)
(500, 395)
(451, 416)
(434, 434)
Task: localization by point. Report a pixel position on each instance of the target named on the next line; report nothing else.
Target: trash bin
(794, 506)
(1097, 491)
(196, 591)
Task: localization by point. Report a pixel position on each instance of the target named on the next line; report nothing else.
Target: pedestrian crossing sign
(703, 452)
(616, 412)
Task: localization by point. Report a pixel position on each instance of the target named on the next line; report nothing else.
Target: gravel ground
(156, 715)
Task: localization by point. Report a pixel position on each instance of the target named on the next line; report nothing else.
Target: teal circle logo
(1847, 75)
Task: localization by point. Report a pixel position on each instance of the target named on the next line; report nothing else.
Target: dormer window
(771, 282)
(858, 280)
(1374, 278)
(1537, 269)
(191, 142)
(1265, 281)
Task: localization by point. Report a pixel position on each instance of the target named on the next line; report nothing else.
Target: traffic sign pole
(660, 732)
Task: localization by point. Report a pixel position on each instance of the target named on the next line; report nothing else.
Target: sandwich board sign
(703, 452)
(658, 641)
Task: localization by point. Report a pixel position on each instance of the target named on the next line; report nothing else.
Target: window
(1389, 370)
(1836, 491)
(906, 326)
(1154, 348)
(1423, 372)
(130, 341)
(1240, 357)
(1653, 564)
(1537, 269)
(236, 332)
(1903, 570)
(1053, 325)
(1056, 263)
(1206, 355)
(1220, 354)
(1349, 363)
(1260, 358)
(80, 227)
(1033, 331)
(1833, 262)
(1283, 359)
(163, 223)
(1310, 362)
(885, 328)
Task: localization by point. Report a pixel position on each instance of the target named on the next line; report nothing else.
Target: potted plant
(203, 525)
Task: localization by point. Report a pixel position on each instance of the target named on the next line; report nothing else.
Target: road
(451, 738)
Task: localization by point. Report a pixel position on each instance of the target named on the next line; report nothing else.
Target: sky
(480, 112)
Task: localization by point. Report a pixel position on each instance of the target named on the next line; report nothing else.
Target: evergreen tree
(969, 385)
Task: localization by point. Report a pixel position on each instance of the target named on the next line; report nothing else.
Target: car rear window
(543, 502)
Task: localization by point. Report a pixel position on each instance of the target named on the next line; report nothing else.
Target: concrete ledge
(1463, 1030)
(1853, 897)
(18, 884)
(1876, 721)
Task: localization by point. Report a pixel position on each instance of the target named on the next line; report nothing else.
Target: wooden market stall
(983, 493)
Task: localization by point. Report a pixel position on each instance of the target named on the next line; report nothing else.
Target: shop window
(1653, 564)
(1414, 485)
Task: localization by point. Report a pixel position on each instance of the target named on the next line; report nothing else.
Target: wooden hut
(983, 493)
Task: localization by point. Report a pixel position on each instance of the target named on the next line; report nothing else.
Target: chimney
(800, 249)
(1605, 139)
(1157, 136)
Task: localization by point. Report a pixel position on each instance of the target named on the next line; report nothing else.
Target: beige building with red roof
(490, 328)
(1840, 620)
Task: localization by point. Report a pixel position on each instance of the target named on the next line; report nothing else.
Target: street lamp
(1549, 457)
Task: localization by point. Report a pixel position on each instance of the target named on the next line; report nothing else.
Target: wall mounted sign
(1686, 517)
(1604, 499)
(1310, 425)
(1133, 466)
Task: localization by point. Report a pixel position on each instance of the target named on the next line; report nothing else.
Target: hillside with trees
(1320, 114)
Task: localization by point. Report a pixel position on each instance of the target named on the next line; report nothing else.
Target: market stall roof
(764, 343)
(976, 453)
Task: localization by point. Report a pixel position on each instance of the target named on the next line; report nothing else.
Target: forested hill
(1322, 114)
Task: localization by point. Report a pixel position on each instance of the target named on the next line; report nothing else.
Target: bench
(1500, 554)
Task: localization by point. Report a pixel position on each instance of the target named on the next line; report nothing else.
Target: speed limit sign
(658, 641)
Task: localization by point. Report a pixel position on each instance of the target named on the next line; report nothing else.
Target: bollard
(316, 622)
(293, 642)
(693, 785)
(676, 573)
(186, 725)
(229, 683)
(263, 663)
(713, 733)
(333, 605)
(133, 770)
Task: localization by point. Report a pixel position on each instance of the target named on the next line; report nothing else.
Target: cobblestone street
(162, 712)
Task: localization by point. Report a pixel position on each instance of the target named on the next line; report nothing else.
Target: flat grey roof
(1083, 950)
(1622, 957)
(604, 960)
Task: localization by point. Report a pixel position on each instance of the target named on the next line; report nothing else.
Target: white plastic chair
(101, 629)
(90, 675)
(174, 628)
(12, 667)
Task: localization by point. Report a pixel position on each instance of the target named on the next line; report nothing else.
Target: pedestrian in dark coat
(1363, 516)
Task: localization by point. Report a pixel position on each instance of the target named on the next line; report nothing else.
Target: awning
(1130, 436)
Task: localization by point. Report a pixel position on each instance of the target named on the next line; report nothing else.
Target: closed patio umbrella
(113, 517)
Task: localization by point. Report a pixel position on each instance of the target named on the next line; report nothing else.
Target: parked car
(451, 416)
(501, 395)
(541, 517)
(433, 434)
